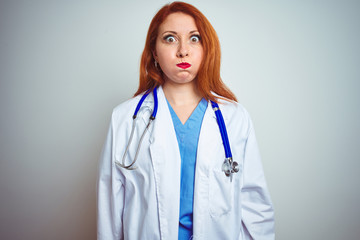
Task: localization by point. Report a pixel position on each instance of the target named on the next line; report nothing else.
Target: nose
(183, 50)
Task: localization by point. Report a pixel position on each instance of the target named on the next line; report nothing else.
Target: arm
(257, 209)
(110, 195)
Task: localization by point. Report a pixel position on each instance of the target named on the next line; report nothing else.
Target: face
(178, 48)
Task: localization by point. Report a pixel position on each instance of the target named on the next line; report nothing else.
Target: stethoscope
(228, 167)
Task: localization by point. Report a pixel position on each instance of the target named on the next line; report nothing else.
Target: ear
(154, 55)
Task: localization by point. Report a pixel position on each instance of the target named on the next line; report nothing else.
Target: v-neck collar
(200, 109)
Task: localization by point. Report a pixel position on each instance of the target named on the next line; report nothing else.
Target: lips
(183, 65)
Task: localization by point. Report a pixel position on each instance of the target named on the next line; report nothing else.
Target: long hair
(208, 79)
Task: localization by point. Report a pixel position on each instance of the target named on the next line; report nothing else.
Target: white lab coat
(144, 203)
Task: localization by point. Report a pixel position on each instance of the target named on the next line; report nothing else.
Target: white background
(65, 64)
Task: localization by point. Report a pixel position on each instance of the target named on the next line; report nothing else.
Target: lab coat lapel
(209, 145)
(165, 156)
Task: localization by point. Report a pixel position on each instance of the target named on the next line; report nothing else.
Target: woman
(169, 183)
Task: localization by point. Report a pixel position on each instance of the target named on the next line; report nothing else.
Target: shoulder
(125, 109)
(127, 104)
(232, 109)
(236, 116)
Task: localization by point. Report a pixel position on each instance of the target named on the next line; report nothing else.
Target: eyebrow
(173, 32)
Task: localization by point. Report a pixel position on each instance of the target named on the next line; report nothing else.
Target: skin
(179, 41)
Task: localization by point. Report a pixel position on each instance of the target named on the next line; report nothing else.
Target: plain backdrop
(64, 65)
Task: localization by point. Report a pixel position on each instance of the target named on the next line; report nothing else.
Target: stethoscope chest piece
(229, 167)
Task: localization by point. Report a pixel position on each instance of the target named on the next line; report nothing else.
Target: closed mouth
(183, 65)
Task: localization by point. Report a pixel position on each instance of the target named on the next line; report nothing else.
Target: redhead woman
(181, 160)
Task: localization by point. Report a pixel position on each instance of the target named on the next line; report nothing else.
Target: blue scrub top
(188, 136)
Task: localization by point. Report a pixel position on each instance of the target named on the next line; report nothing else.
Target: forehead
(178, 22)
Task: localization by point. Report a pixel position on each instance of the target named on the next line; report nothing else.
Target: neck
(181, 94)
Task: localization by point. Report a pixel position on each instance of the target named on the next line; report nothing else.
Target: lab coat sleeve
(110, 195)
(257, 209)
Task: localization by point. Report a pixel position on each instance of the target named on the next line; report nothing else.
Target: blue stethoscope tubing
(229, 166)
(222, 127)
(153, 115)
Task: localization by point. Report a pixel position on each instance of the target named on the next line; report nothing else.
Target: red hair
(208, 78)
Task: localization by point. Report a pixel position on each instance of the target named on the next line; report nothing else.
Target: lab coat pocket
(220, 194)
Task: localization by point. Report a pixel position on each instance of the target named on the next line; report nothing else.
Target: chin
(180, 77)
(184, 80)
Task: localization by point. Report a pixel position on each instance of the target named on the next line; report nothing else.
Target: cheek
(199, 57)
(164, 53)
(163, 56)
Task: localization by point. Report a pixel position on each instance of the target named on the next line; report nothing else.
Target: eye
(169, 39)
(195, 38)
